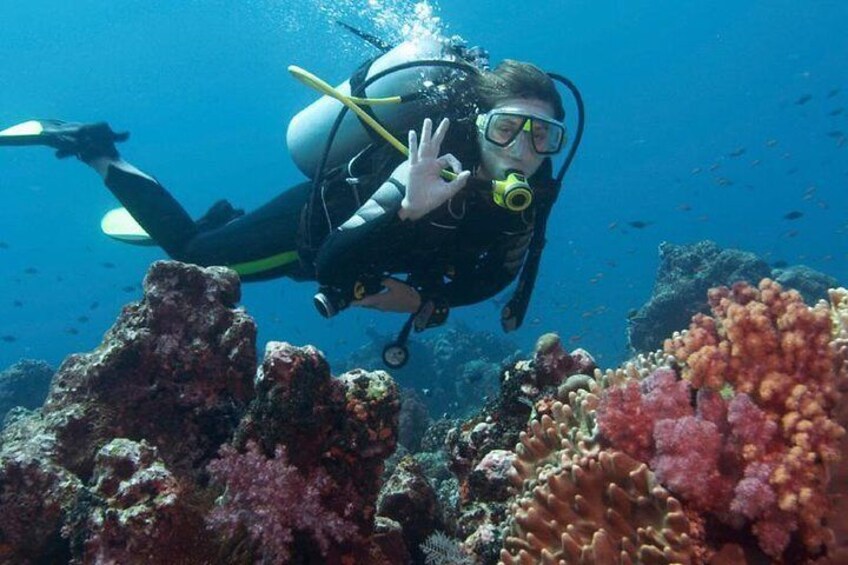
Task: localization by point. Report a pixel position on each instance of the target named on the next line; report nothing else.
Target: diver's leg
(259, 245)
(94, 144)
(147, 201)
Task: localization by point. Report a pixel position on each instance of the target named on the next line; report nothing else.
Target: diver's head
(520, 121)
(517, 135)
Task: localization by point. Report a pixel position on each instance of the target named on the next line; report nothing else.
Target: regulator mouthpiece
(513, 193)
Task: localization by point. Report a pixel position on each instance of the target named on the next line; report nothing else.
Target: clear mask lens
(503, 128)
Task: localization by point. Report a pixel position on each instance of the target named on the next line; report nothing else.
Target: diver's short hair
(516, 79)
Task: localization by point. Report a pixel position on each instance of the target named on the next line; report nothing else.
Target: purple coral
(690, 471)
(750, 423)
(272, 499)
(753, 494)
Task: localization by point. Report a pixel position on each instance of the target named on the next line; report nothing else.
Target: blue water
(671, 89)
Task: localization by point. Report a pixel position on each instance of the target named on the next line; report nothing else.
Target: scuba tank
(310, 128)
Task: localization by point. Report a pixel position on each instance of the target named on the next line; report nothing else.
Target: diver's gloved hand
(426, 190)
(84, 141)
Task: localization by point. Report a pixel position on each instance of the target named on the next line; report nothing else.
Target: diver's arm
(365, 241)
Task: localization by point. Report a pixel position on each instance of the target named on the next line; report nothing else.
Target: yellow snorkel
(513, 193)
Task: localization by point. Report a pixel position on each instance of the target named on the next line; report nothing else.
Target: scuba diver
(449, 224)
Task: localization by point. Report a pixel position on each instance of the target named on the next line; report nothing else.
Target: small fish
(771, 142)
(792, 233)
(737, 152)
(9, 338)
(72, 331)
(755, 162)
(791, 171)
(639, 224)
(82, 319)
(684, 207)
(107, 265)
(4, 245)
(836, 111)
(612, 225)
(94, 305)
(17, 303)
(575, 338)
(793, 215)
(780, 264)
(714, 166)
(803, 99)
(696, 170)
(724, 181)
(836, 134)
(129, 288)
(833, 92)
(31, 271)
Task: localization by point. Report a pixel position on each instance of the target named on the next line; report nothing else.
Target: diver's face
(519, 155)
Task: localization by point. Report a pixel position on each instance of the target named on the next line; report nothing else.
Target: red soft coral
(271, 498)
(626, 415)
(624, 422)
(686, 461)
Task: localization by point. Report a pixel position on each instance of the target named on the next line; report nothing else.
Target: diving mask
(502, 128)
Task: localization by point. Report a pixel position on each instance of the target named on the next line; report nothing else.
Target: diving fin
(120, 225)
(26, 133)
(86, 141)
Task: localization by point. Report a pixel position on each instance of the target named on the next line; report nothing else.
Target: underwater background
(720, 121)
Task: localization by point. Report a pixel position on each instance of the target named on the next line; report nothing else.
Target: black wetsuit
(463, 252)
(260, 245)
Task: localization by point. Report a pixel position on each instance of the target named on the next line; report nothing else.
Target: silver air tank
(308, 131)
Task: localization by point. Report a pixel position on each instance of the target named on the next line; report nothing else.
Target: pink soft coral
(687, 460)
(626, 415)
(271, 498)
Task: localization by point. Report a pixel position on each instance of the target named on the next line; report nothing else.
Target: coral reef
(764, 374)
(456, 369)
(687, 272)
(127, 460)
(24, 384)
(168, 444)
(408, 498)
(655, 463)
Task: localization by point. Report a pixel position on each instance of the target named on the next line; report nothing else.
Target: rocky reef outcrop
(168, 444)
